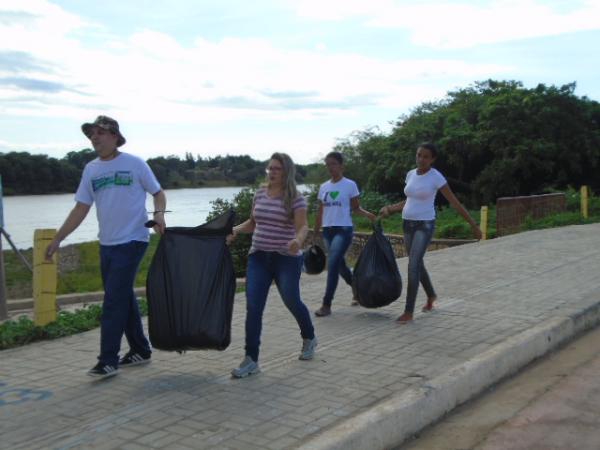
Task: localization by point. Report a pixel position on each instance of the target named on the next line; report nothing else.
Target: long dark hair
(431, 147)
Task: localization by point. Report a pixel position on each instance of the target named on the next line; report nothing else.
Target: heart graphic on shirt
(334, 194)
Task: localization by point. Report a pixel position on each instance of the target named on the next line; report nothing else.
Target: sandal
(429, 305)
(405, 318)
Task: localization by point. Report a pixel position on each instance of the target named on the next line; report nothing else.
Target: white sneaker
(308, 349)
(247, 367)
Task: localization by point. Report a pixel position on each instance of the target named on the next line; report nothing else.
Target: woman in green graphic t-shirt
(338, 199)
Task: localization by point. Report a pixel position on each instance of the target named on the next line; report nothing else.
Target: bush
(451, 225)
(373, 201)
(23, 330)
(555, 220)
(312, 198)
(574, 201)
(242, 205)
(14, 333)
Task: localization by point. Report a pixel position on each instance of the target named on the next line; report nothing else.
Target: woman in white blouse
(418, 214)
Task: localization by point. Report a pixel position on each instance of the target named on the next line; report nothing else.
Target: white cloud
(150, 76)
(338, 10)
(460, 24)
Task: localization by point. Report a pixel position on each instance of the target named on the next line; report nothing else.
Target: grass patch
(451, 225)
(14, 333)
(87, 278)
(18, 277)
(448, 225)
(84, 277)
(558, 220)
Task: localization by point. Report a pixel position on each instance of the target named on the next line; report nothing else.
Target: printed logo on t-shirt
(332, 202)
(118, 178)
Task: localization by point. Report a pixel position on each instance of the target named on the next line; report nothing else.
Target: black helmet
(314, 260)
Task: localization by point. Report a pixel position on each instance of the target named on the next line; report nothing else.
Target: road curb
(393, 421)
(67, 299)
(83, 298)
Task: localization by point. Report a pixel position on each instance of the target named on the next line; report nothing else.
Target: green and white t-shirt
(336, 197)
(118, 187)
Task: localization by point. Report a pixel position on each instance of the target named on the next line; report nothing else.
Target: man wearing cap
(118, 183)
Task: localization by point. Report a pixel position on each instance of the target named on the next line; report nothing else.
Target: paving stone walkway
(488, 291)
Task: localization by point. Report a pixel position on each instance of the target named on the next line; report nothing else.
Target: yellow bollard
(44, 279)
(584, 201)
(483, 223)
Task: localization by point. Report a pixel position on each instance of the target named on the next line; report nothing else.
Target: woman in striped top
(279, 226)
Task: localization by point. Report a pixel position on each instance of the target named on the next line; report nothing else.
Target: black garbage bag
(314, 260)
(376, 280)
(190, 287)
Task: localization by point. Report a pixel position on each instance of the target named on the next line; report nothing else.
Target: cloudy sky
(253, 77)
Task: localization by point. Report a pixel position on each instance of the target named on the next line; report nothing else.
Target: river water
(25, 213)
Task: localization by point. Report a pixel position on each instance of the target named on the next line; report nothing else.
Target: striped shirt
(274, 228)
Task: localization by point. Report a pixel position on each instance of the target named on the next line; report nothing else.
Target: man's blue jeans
(120, 313)
(263, 269)
(337, 240)
(417, 235)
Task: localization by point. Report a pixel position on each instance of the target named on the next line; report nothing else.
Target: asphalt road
(552, 404)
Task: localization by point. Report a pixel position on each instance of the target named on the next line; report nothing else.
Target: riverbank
(79, 270)
(78, 264)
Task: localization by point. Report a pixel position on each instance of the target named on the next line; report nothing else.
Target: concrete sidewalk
(373, 383)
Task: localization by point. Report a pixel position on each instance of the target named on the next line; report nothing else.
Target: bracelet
(160, 211)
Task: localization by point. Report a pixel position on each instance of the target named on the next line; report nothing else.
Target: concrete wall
(397, 241)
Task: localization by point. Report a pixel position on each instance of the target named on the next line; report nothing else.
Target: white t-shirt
(119, 189)
(335, 197)
(420, 193)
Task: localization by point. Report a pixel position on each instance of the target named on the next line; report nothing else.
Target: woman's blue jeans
(337, 240)
(263, 269)
(417, 235)
(120, 313)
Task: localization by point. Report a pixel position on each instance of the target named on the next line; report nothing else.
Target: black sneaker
(132, 358)
(102, 370)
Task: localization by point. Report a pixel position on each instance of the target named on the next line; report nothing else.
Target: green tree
(496, 138)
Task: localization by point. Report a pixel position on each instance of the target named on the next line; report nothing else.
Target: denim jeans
(337, 240)
(263, 269)
(417, 235)
(120, 313)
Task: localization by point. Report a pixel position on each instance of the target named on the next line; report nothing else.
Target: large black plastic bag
(376, 280)
(190, 288)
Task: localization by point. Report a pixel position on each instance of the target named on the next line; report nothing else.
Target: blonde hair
(290, 191)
